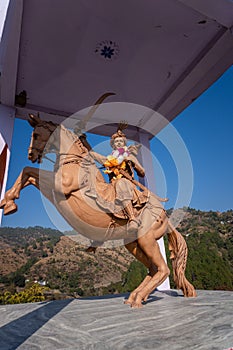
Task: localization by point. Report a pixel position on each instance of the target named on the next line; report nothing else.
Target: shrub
(32, 294)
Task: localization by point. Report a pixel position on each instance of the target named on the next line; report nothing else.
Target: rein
(52, 161)
(74, 159)
(137, 183)
(61, 158)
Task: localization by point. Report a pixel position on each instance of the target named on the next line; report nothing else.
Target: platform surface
(167, 321)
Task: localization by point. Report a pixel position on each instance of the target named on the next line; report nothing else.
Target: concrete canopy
(159, 54)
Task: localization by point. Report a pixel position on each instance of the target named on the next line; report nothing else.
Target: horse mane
(51, 126)
(78, 140)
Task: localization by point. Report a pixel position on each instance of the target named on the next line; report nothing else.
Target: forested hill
(46, 255)
(209, 236)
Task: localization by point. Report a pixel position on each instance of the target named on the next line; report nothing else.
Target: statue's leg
(134, 249)
(29, 176)
(151, 249)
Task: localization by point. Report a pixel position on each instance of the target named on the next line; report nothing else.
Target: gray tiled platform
(167, 321)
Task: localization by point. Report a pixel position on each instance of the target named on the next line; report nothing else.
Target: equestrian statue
(122, 209)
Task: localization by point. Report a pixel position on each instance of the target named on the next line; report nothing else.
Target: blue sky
(206, 128)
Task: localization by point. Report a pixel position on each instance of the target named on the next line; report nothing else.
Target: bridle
(50, 126)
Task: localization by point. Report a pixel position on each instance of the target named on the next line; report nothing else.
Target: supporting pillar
(10, 32)
(3, 11)
(145, 158)
(7, 116)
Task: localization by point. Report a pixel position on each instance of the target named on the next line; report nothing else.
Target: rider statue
(120, 166)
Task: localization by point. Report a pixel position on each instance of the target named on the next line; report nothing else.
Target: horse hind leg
(149, 246)
(151, 249)
(179, 253)
(134, 249)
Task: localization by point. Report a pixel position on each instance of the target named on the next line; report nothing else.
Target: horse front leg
(29, 176)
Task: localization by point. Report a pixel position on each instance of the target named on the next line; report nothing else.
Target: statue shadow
(123, 296)
(16, 332)
(106, 296)
(152, 297)
(171, 293)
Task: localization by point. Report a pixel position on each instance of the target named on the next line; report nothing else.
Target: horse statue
(80, 193)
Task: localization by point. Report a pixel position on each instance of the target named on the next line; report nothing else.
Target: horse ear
(34, 120)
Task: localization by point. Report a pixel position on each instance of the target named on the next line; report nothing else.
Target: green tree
(134, 276)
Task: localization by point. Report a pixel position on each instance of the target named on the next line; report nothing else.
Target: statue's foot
(130, 299)
(132, 226)
(135, 297)
(9, 207)
(145, 298)
(137, 303)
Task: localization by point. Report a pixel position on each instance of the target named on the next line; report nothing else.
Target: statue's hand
(134, 148)
(136, 165)
(130, 159)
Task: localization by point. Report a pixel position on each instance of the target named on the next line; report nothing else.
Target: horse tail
(179, 254)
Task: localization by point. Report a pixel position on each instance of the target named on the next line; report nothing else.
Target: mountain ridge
(57, 260)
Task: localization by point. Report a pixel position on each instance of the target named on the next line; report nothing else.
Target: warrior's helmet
(121, 126)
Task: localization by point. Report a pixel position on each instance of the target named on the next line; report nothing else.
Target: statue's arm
(98, 157)
(83, 139)
(137, 166)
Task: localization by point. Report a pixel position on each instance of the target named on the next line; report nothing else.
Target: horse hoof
(10, 208)
(2, 204)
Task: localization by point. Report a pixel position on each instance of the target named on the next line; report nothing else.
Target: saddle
(105, 196)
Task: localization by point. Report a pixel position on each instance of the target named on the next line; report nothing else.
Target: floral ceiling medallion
(107, 50)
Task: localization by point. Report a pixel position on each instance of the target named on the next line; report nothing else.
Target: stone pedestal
(167, 321)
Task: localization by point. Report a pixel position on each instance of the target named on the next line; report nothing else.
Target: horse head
(40, 136)
(43, 130)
